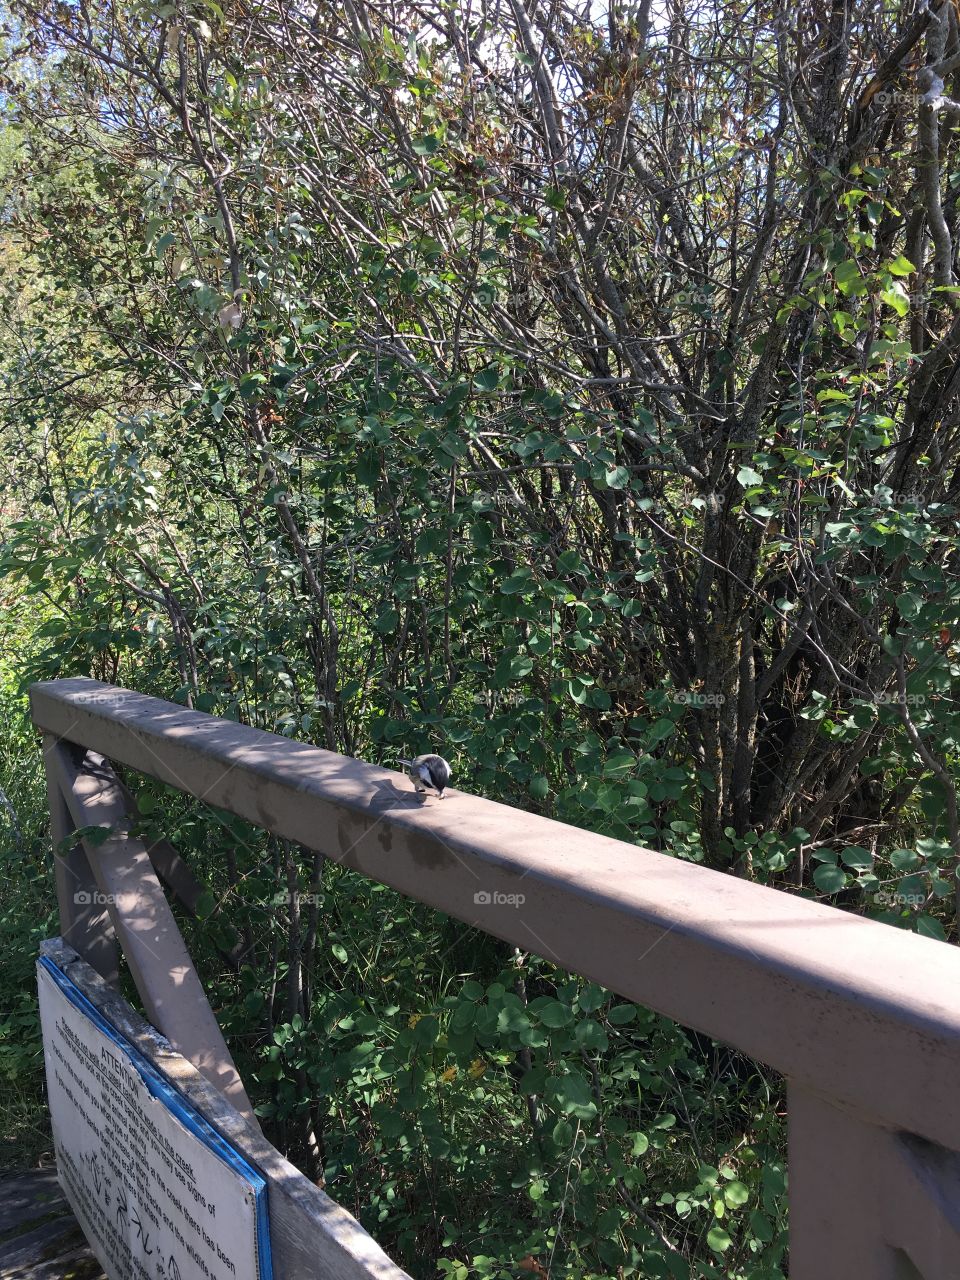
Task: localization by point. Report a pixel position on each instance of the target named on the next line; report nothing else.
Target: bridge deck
(40, 1238)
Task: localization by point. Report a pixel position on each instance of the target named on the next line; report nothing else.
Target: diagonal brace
(154, 948)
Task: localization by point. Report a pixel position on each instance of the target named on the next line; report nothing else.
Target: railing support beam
(868, 1201)
(154, 948)
(84, 922)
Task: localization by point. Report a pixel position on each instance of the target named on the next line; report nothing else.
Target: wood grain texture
(40, 1239)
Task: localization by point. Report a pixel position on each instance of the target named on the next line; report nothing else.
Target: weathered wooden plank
(84, 923)
(27, 1196)
(55, 1251)
(152, 944)
(827, 998)
(40, 1238)
(312, 1237)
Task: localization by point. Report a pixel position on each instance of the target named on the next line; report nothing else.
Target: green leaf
(539, 787)
(562, 1133)
(205, 905)
(617, 478)
(897, 298)
(831, 395)
(640, 1142)
(848, 279)
(386, 621)
(904, 859)
(570, 562)
(856, 857)
(513, 1019)
(748, 476)
(426, 144)
(516, 582)
(591, 998)
(718, 1240)
(900, 266)
(660, 730)
(621, 1014)
(735, 1194)
(761, 1227)
(572, 1092)
(829, 879)
(340, 952)
(590, 1035)
(930, 927)
(554, 1014)
(909, 604)
(619, 764)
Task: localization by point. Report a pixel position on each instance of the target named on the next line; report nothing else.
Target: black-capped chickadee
(429, 771)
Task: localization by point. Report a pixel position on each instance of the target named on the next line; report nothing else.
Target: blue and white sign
(159, 1193)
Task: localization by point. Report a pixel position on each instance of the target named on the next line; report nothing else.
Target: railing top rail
(858, 1011)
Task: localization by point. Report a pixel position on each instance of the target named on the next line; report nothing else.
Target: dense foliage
(569, 387)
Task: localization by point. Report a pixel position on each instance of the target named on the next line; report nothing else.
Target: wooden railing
(862, 1019)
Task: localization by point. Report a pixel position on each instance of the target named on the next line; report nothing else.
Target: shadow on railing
(862, 1019)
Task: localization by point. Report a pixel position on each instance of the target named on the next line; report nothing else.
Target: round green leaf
(556, 1015)
(904, 859)
(829, 879)
(718, 1240)
(539, 787)
(617, 478)
(735, 1194)
(930, 927)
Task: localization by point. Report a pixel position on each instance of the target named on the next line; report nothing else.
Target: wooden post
(84, 920)
(834, 1227)
(153, 946)
(866, 1200)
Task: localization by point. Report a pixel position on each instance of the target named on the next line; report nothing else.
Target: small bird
(429, 771)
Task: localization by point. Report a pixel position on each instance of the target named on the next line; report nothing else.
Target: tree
(568, 387)
(639, 331)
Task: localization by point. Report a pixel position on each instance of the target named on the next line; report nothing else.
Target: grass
(27, 915)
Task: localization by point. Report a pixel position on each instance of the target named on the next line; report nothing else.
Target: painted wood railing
(862, 1019)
